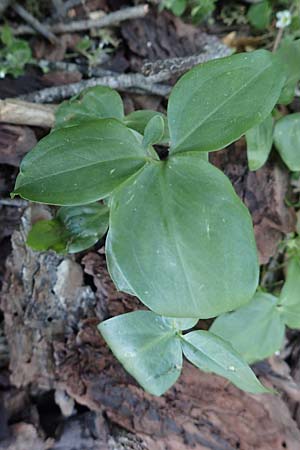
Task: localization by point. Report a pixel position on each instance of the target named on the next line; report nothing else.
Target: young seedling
(179, 237)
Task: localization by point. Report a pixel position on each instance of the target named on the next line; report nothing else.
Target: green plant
(179, 237)
(199, 9)
(14, 54)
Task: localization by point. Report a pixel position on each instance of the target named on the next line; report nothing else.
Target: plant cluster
(14, 54)
(179, 238)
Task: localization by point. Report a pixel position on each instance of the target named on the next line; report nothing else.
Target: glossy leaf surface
(287, 140)
(210, 353)
(259, 143)
(148, 348)
(181, 240)
(99, 102)
(215, 103)
(255, 331)
(78, 165)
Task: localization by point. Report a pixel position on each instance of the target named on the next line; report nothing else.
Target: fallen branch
(23, 113)
(181, 64)
(126, 82)
(111, 19)
(35, 24)
(3, 5)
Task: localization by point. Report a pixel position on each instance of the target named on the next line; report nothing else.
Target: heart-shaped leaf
(255, 330)
(212, 354)
(147, 346)
(181, 240)
(80, 164)
(215, 103)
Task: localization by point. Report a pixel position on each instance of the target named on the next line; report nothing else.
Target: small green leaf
(85, 224)
(48, 235)
(255, 331)
(74, 229)
(7, 36)
(211, 354)
(80, 164)
(259, 143)
(215, 103)
(287, 140)
(259, 15)
(154, 131)
(289, 57)
(137, 120)
(147, 346)
(98, 102)
(181, 240)
(290, 295)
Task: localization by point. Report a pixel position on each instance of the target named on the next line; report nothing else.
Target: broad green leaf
(85, 224)
(74, 229)
(147, 347)
(137, 120)
(255, 330)
(181, 240)
(82, 164)
(98, 102)
(259, 15)
(217, 102)
(287, 140)
(212, 354)
(48, 235)
(154, 131)
(259, 143)
(289, 56)
(290, 295)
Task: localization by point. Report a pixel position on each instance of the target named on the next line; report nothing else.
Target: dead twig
(111, 19)
(3, 5)
(35, 24)
(23, 113)
(125, 82)
(176, 65)
(15, 203)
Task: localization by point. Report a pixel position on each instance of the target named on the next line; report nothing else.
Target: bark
(50, 323)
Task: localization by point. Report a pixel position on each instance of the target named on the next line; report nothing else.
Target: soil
(60, 387)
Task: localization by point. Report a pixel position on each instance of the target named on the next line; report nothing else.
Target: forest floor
(60, 387)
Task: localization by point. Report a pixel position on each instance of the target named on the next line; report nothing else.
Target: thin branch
(3, 5)
(125, 82)
(111, 19)
(35, 24)
(13, 202)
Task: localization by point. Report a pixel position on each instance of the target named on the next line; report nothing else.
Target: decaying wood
(50, 320)
(25, 113)
(15, 142)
